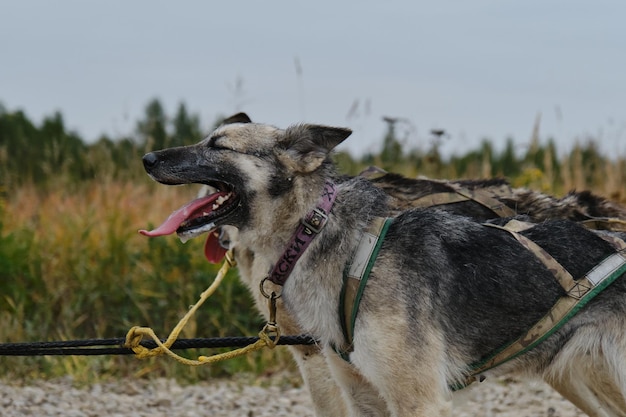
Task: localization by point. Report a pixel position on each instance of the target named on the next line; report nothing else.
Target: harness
(578, 292)
(486, 198)
(355, 277)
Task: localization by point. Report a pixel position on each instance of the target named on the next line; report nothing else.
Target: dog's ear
(307, 146)
(237, 118)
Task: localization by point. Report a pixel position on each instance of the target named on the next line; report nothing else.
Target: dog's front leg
(360, 397)
(326, 395)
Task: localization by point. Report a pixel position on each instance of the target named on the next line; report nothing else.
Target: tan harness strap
(438, 199)
(605, 223)
(351, 287)
(618, 243)
(480, 196)
(486, 198)
(483, 197)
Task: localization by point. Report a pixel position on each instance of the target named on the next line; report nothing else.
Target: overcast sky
(478, 69)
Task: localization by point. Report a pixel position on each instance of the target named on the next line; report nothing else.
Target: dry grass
(75, 267)
(72, 265)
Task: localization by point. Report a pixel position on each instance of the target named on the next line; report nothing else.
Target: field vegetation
(72, 265)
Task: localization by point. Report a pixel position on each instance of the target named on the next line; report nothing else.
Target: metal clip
(271, 332)
(316, 223)
(271, 303)
(264, 293)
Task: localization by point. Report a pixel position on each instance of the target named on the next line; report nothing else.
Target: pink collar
(309, 227)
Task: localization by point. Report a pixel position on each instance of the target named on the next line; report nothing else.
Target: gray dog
(444, 296)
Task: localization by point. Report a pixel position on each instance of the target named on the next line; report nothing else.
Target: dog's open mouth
(200, 216)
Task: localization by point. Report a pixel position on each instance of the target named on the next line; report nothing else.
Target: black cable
(91, 347)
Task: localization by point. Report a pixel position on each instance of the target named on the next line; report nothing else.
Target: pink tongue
(213, 251)
(197, 206)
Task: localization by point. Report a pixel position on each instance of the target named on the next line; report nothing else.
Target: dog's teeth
(185, 236)
(220, 201)
(223, 198)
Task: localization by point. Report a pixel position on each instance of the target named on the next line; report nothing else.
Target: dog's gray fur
(445, 291)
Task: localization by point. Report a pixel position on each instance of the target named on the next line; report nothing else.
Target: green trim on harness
(355, 277)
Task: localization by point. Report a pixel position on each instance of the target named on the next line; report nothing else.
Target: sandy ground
(500, 397)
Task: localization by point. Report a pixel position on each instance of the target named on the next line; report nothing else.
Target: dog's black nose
(150, 160)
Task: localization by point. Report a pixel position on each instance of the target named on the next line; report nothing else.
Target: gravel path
(160, 398)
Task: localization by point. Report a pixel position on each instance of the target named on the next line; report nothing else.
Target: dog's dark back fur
(477, 284)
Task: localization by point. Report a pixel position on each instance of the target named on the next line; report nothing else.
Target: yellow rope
(136, 334)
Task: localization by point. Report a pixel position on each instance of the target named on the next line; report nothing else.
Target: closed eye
(212, 142)
(220, 143)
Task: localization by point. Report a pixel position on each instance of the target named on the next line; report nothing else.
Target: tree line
(46, 153)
